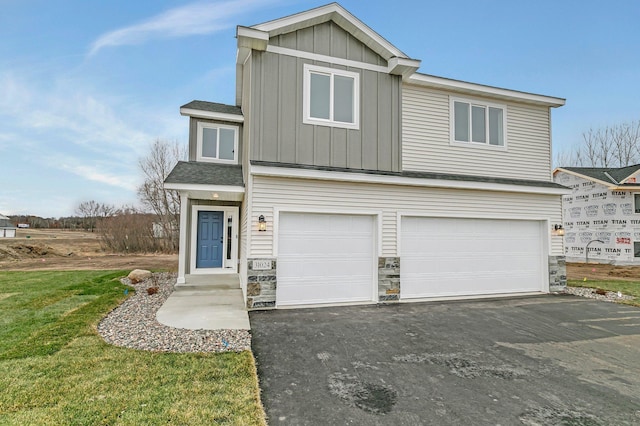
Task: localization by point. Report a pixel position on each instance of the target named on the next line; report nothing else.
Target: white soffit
(198, 113)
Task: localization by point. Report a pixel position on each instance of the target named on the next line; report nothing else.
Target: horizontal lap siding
(271, 193)
(426, 140)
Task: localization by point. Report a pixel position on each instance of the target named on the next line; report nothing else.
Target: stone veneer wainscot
(261, 285)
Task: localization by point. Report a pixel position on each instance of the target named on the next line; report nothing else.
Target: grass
(631, 288)
(55, 369)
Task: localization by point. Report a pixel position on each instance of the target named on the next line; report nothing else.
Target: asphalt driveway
(548, 360)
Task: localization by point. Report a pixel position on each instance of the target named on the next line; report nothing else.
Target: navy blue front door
(210, 239)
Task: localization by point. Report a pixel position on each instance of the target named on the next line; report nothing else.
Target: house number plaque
(260, 265)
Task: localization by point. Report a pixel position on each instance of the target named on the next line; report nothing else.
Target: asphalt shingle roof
(213, 107)
(600, 173)
(192, 172)
(421, 175)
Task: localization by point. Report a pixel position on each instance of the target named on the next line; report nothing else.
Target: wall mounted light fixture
(262, 224)
(558, 230)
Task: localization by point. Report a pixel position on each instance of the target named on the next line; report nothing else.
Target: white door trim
(229, 265)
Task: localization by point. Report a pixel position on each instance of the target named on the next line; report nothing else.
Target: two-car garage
(333, 258)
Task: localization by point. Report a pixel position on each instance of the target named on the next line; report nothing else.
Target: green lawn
(631, 288)
(55, 369)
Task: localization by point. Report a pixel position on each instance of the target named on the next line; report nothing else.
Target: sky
(87, 86)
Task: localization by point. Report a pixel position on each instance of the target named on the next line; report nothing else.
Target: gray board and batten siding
(277, 131)
(193, 135)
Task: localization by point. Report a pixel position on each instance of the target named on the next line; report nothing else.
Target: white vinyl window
(636, 203)
(478, 123)
(331, 97)
(217, 143)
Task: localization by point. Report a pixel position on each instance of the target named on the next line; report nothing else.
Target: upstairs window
(217, 143)
(331, 97)
(478, 123)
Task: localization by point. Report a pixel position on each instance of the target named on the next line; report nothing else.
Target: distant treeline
(71, 222)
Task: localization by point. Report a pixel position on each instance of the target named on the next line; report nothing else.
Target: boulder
(139, 275)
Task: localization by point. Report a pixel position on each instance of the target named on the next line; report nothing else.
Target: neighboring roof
(420, 175)
(212, 110)
(608, 175)
(199, 173)
(6, 222)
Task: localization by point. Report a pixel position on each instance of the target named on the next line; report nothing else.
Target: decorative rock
(138, 275)
(133, 324)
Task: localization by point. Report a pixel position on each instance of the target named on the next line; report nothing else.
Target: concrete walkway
(206, 302)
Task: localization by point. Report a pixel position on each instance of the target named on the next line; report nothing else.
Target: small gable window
(478, 123)
(217, 143)
(331, 97)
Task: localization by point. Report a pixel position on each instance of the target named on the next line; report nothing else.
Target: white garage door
(324, 258)
(458, 257)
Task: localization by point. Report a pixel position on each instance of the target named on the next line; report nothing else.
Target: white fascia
(197, 113)
(402, 180)
(341, 17)
(483, 90)
(201, 187)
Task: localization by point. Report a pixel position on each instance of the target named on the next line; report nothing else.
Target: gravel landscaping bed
(591, 293)
(133, 324)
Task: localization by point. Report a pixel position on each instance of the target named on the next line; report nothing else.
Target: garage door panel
(457, 257)
(324, 258)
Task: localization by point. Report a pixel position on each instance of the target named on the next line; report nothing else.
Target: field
(48, 250)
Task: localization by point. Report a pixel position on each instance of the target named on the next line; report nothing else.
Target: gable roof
(5, 222)
(612, 176)
(197, 173)
(212, 110)
(338, 14)
(257, 37)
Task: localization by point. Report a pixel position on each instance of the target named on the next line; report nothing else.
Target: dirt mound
(19, 251)
(579, 271)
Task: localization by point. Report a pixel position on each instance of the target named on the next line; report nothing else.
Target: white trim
(182, 247)
(199, 157)
(198, 113)
(228, 266)
(479, 103)
(339, 15)
(475, 296)
(202, 187)
(306, 98)
(480, 90)
(401, 180)
(325, 58)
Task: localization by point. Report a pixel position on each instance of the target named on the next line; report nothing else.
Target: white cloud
(192, 19)
(95, 174)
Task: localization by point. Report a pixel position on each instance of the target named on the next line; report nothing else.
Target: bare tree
(89, 211)
(611, 146)
(156, 166)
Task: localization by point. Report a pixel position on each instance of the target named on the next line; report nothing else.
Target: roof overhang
(475, 89)
(301, 173)
(208, 192)
(196, 113)
(336, 13)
